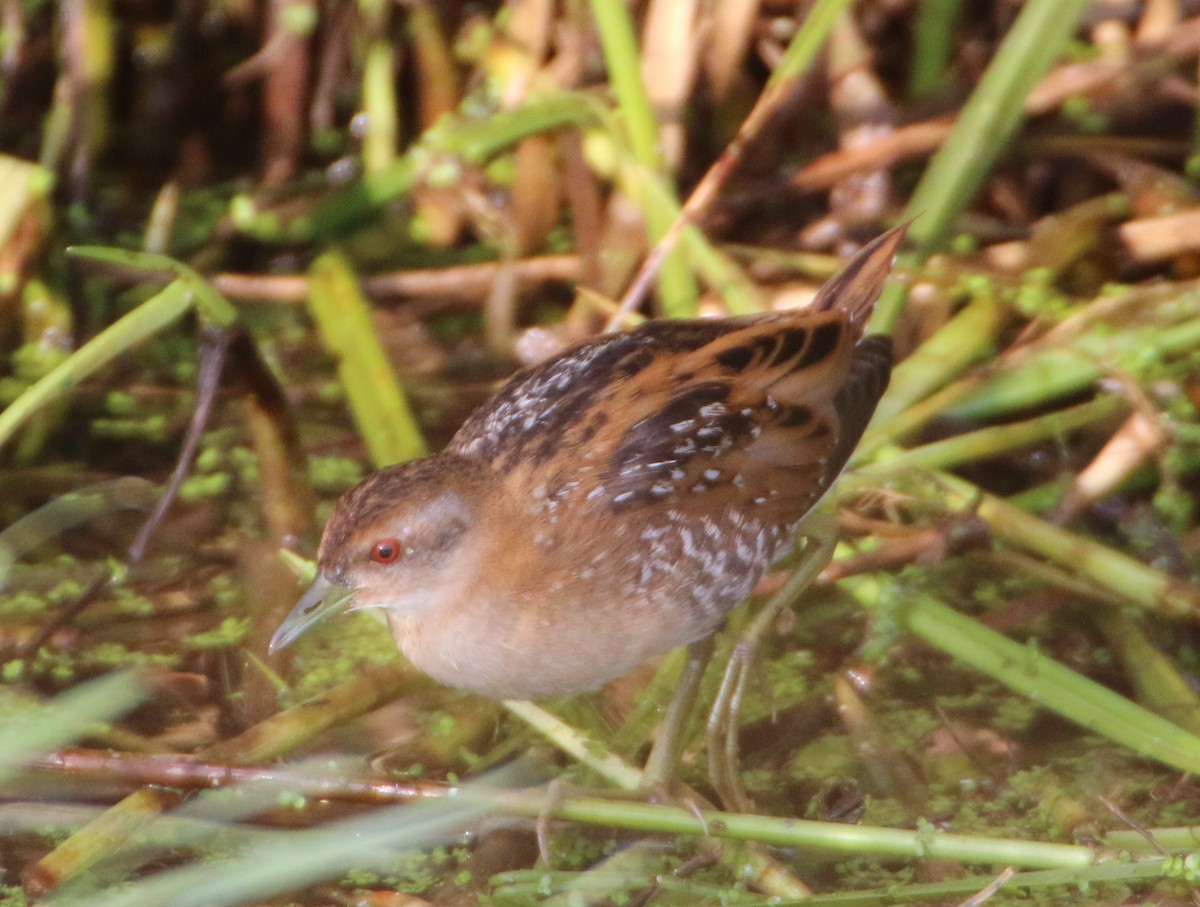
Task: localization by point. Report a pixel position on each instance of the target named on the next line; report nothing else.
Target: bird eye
(386, 551)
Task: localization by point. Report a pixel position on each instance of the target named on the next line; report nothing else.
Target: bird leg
(659, 771)
(820, 534)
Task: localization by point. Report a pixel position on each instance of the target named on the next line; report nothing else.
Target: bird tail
(856, 289)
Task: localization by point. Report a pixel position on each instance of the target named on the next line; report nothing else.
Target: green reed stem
(1019, 886)
(618, 42)
(933, 43)
(1024, 669)
(998, 439)
(1052, 373)
(568, 739)
(967, 337)
(160, 311)
(377, 401)
(808, 41)
(991, 116)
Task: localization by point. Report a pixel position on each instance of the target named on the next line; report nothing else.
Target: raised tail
(856, 288)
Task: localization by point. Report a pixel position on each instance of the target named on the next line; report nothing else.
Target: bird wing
(698, 415)
(562, 403)
(762, 418)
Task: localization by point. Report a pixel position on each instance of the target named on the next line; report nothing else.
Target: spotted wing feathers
(758, 413)
(770, 439)
(564, 401)
(765, 416)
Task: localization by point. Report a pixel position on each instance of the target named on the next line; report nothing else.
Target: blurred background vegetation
(251, 250)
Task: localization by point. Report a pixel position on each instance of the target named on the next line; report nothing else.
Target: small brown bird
(613, 502)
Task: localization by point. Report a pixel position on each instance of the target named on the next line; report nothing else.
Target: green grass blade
(676, 285)
(998, 439)
(376, 398)
(1023, 669)
(211, 305)
(1018, 887)
(825, 837)
(1054, 372)
(967, 337)
(991, 116)
(72, 509)
(156, 313)
(293, 861)
(808, 40)
(607, 764)
(933, 41)
(1091, 561)
(475, 142)
(27, 731)
(381, 106)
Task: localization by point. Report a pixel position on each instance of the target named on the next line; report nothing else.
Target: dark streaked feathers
(765, 409)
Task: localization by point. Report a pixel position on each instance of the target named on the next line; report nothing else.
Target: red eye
(386, 551)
